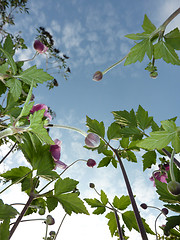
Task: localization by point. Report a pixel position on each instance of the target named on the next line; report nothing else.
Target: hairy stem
(133, 202)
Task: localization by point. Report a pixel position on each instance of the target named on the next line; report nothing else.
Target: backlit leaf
(95, 126)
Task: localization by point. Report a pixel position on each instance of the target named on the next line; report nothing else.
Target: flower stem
(171, 17)
(118, 225)
(31, 197)
(169, 155)
(60, 226)
(133, 202)
(171, 166)
(8, 153)
(68, 127)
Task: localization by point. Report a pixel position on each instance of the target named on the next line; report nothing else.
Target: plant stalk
(133, 202)
(118, 225)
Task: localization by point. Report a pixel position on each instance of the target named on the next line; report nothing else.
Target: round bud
(92, 140)
(91, 162)
(97, 76)
(50, 220)
(164, 211)
(153, 75)
(41, 211)
(92, 185)
(174, 188)
(52, 233)
(144, 206)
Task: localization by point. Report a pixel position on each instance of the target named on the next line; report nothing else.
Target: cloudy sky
(92, 33)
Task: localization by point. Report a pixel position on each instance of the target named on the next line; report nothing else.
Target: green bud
(41, 211)
(174, 188)
(153, 75)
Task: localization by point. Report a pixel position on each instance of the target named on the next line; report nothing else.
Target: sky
(92, 33)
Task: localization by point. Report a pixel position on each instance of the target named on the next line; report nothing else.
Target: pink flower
(160, 176)
(56, 154)
(92, 140)
(98, 76)
(91, 162)
(38, 107)
(40, 47)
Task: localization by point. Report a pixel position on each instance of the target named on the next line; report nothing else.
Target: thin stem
(67, 127)
(171, 17)
(29, 220)
(114, 65)
(133, 202)
(60, 226)
(169, 155)
(155, 224)
(118, 225)
(31, 197)
(8, 153)
(46, 231)
(171, 166)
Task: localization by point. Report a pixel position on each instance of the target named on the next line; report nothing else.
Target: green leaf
(8, 45)
(130, 220)
(52, 203)
(35, 75)
(149, 158)
(164, 194)
(72, 203)
(37, 127)
(131, 156)
(17, 174)
(94, 202)
(105, 162)
(130, 132)
(121, 203)
(137, 36)
(125, 118)
(172, 207)
(173, 38)
(7, 211)
(99, 210)
(172, 222)
(4, 229)
(9, 60)
(144, 121)
(112, 222)
(104, 198)
(147, 25)
(137, 52)
(124, 142)
(15, 88)
(166, 52)
(65, 185)
(95, 126)
(113, 131)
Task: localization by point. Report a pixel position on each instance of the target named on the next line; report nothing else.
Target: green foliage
(173, 38)
(4, 229)
(111, 223)
(7, 211)
(149, 158)
(95, 126)
(121, 203)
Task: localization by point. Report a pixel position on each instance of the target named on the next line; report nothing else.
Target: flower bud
(50, 220)
(98, 76)
(164, 211)
(144, 206)
(92, 185)
(92, 140)
(174, 188)
(40, 47)
(41, 211)
(91, 162)
(52, 233)
(153, 75)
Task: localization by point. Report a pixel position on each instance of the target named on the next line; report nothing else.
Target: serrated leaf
(130, 220)
(164, 194)
(112, 222)
(121, 203)
(105, 162)
(144, 121)
(104, 198)
(131, 156)
(173, 38)
(125, 118)
(15, 88)
(37, 127)
(95, 126)
(172, 222)
(137, 36)
(65, 185)
(52, 203)
(124, 142)
(10, 60)
(17, 174)
(172, 207)
(166, 52)
(137, 52)
(94, 202)
(149, 158)
(35, 75)
(7, 211)
(99, 210)
(72, 203)
(147, 25)
(130, 132)
(8, 45)
(113, 131)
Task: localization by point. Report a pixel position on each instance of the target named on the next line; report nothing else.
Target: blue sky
(92, 33)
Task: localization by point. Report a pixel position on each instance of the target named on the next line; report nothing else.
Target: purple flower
(92, 140)
(40, 47)
(56, 154)
(38, 107)
(91, 162)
